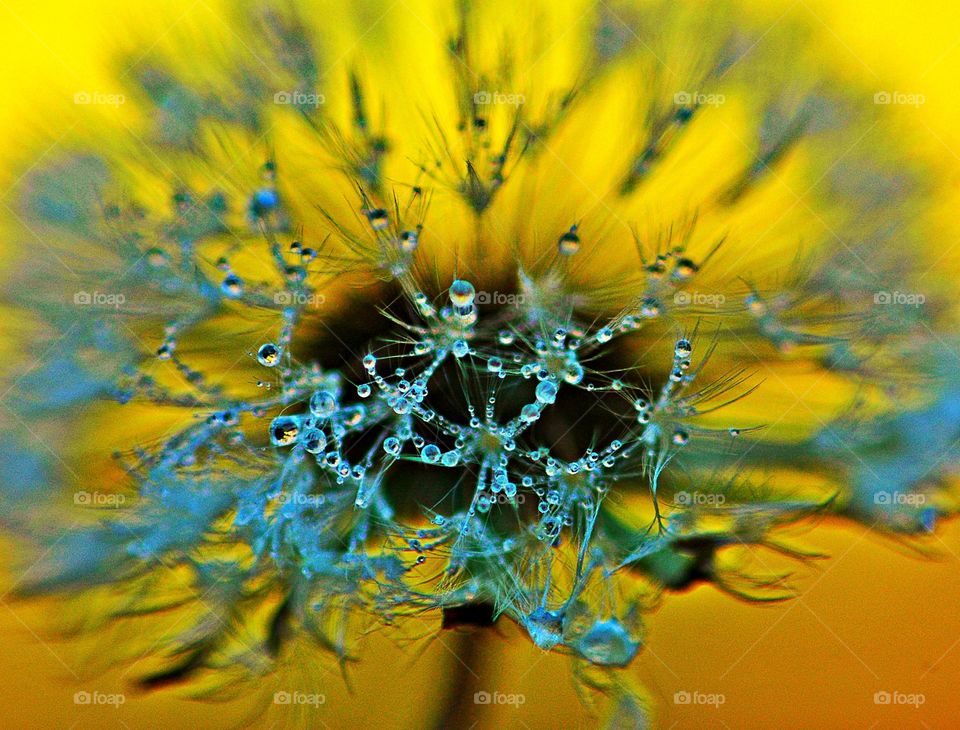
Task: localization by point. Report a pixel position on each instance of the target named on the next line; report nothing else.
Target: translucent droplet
(369, 362)
(392, 446)
(755, 305)
(264, 200)
(295, 274)
(284, 430)
(268, 355)
(683, 349)
(157, 257)
(363, 390)
(604, 335)
(409, 240)
(460, 349)
(494, 364)
(684, 269)
(379, 218)
(462, 293)
(569, 242)
(314, 441)
(546, 392)
(529, 413)
(232, 286)
(573, 373)
(607, 643)
(650, 308)
(431, 454)
(323, 404)
(680, 437)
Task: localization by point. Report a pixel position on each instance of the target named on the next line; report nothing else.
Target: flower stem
(458, 709)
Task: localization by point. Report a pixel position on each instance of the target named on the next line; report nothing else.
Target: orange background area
(872, 618)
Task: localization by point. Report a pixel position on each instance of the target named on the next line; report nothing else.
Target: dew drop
(569, 242)
(607, 643)
(650, 308)
(314, 441)
(379, 219)
(462, 293)
(529, 413)
(431, 454)
(546, 392)
(684, 269)
(460, 349)
(232, 286)
(409, 240)
(268, 355)
(323, 404)
(284, 430)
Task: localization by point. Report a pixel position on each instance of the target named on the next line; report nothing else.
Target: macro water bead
(547, 392)
(462, 293)
(268, 355)
(469, 335)
(569, 242)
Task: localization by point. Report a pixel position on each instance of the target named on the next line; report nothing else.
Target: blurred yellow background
(873, 618)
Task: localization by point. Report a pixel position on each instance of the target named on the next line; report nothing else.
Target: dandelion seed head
(407, 396)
